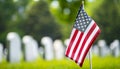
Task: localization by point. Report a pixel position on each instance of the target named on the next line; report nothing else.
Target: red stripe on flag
(77, 44)
(85, 39)
(71, 42)
(91, 42)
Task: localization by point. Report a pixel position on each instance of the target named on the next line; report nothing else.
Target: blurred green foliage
(7, 8)
(66, 10)
(55, 18)
(40, 22)
(106, 13)
(108, 17)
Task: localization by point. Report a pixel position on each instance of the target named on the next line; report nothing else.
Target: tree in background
(65, 12)
(27, 18)
(11, 13)
(7, 8)
(39, 22)
(108, 17)
(105, 12)
(33, 18)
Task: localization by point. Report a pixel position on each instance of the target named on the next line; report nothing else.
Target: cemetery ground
(108, 62)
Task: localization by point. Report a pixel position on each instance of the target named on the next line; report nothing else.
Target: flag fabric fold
(84, 33)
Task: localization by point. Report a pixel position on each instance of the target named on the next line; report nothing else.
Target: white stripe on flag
(72, 33)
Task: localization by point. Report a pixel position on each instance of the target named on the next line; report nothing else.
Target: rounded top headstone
(57, 44)
(27, 38)
(1, 45)
(12, 35)
(116, 42)
(46, 40)
(101, 43)
(66, 42)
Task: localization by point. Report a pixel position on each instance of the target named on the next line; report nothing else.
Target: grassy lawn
(97, 63)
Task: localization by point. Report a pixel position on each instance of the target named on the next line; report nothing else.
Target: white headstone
(48, 45)
(35, 48)
(103, 49)
(114, 46)
(1, 52)
(95, 50)
(102, 43)
(14, 48)
(30, 48)
(66, 42)
(59, 49)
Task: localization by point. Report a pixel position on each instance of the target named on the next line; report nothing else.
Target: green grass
(97, 63)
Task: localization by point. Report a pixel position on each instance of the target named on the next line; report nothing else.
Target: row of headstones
(15, 48)
(50, 49)
(30, 50)
(102, 49)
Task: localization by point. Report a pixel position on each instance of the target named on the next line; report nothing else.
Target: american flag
(83, 34)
